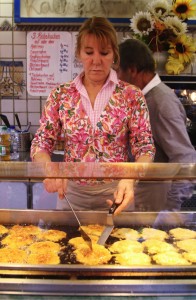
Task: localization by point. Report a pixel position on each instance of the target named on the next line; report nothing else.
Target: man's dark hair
(135, 53)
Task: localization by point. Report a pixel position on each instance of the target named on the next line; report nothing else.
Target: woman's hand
(56, 185)
(124, 195)
(51, 185)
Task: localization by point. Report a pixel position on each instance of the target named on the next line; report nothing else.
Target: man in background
(168, 122)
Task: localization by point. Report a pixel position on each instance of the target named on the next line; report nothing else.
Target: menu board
(49, 58)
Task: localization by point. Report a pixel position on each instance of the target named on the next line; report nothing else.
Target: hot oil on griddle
(67, 256)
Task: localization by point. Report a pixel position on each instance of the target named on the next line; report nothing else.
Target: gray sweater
(172, 142)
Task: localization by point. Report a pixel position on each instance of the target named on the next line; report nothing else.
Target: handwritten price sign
(49, 60)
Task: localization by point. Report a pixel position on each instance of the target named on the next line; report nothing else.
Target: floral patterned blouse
(124, 120)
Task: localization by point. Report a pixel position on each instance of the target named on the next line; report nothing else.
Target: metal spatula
(84, 235)
(109, 225)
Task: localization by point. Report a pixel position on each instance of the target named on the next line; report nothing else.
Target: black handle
(5, 120)
(18, 121)
(113, 207)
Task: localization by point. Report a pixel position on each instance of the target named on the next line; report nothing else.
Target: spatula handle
(113, 208)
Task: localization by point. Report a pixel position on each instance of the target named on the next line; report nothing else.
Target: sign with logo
(74, 11)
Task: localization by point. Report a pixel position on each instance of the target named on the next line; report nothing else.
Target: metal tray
(105, 279)
(64, 219)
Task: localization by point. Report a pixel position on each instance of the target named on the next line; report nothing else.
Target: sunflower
(184, 9)
(173, 66)
(159, 8)
(142, 23)
(163, 27)
(175, 25)
(182, 48)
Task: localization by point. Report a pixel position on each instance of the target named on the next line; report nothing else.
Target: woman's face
(97, 59)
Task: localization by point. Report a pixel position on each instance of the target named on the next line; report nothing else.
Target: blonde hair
(104, 31)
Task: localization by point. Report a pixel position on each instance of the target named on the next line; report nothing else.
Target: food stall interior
(49, 256)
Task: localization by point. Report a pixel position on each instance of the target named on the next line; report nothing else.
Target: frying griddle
(63, 220)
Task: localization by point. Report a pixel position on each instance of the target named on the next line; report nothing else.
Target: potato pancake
(97, 256)
(133, 259)
(157, 246)
(170, 259)
(152, 233)
(52, 235)
(44, 247)
(125, 234)
(24, 230)
(3, 230)
(125, 246)
(187, 245)
(18, 241)
(49, 258)
(190, 256)
(93, 229)
(77, 242)
(12, 255)
(182, 233)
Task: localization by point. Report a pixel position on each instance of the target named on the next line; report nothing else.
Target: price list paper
(49, 56)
